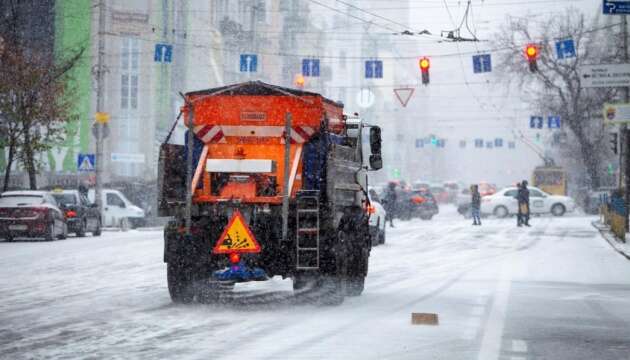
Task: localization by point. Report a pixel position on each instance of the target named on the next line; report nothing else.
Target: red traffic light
(424, 64)
(531, 51)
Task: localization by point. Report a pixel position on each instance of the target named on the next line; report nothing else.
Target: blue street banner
(374, 69)
(310, 67)
(249, 62)
(565, 49)
(554, 122)
(482, 63)
(536, 122)
(163, 53)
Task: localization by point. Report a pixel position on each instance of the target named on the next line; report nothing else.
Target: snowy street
(556, 290)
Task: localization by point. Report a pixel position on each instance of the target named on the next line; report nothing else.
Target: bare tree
(556, 87)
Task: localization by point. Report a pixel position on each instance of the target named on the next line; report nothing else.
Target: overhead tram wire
(352, 16)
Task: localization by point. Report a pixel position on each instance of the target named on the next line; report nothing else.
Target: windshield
(65, 199)
(20, 200)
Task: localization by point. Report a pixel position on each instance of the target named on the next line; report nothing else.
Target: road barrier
(613, 212)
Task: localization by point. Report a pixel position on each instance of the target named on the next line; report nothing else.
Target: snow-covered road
(556, 290)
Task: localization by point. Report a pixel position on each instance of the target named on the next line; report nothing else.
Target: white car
(118, 211)
(504, 203)
(377, 222)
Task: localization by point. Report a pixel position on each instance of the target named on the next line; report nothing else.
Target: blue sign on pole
(86, 162)
(163, 53)
(616, 7)
(374, 69)
(482, 63)
(249, 62)
(565, 49)
(554, 122)
(536, 122)
(310, 67)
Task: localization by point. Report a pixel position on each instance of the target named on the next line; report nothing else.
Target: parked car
(377, 220)
(463, 201)
(31, 214)
(117, 210)
(421, 185)
(424, 204)
(440, 194)
(504, 203)
(81, 214)
(486, 189)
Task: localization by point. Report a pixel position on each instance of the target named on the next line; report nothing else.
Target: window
(511, 193)
(462, 143)
(478, 143)
(115, 200)
(535, 193)
(498, 142)
(129, 64)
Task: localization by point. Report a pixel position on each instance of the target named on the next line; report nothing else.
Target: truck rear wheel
(180, 283)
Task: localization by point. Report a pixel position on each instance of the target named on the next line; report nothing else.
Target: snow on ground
(106, 297)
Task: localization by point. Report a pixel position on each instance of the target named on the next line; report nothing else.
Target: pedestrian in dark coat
(389, 203)
(523, 203)
(475, 204)
(519, 215)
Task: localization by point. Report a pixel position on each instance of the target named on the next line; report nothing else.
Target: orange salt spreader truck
(271, 181)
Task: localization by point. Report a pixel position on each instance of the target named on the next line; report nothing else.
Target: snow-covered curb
(623, 249)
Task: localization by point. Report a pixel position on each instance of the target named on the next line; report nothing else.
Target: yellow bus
(550, 179)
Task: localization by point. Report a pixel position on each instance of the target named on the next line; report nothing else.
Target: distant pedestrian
(519, 214)
(523, 203)
(475, 205)
(389, 203)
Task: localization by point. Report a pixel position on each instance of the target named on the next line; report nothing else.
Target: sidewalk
(622, 248)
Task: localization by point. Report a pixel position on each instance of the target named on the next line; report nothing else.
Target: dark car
(31, 214)
(424, 204)
(81, 215)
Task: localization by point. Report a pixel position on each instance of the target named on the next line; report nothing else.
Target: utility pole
(626, 134)
(100, 92)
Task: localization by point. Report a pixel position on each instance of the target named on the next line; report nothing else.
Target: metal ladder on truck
(307, 228)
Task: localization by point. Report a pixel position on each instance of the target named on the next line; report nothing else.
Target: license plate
(18, 227)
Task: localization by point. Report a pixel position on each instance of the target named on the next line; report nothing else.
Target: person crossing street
(475, 204)
(523, 204)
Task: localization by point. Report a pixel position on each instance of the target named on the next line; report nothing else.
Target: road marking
(491, 341)
(519, 346)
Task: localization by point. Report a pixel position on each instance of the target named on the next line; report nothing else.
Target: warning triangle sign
(403, 95)
(236, 238)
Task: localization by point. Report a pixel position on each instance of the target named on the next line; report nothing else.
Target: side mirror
(376, 162)
(375, 140)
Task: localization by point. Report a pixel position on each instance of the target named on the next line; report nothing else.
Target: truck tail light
(418, 199)
(71, 214)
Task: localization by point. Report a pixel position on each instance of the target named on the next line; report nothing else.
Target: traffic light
(299, 81)
(614, 142)
(424, 68)
(531, 51)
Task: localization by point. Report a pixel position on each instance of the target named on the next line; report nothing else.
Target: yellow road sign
(236, 238)
(101, 117)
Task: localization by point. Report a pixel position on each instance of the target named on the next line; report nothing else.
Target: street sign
(403, 95)
(163, 53)
(554, 122)
(373, 69)
(605, 75)
(236, 238)
(565, 49)
(482, 63)
(86, 162)
(310, 67)
(104, 129)
(616, 113)
(536, 122)
(101, 117)
(249, 62)
(616, 7)
(365, 98)
(128, 158)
